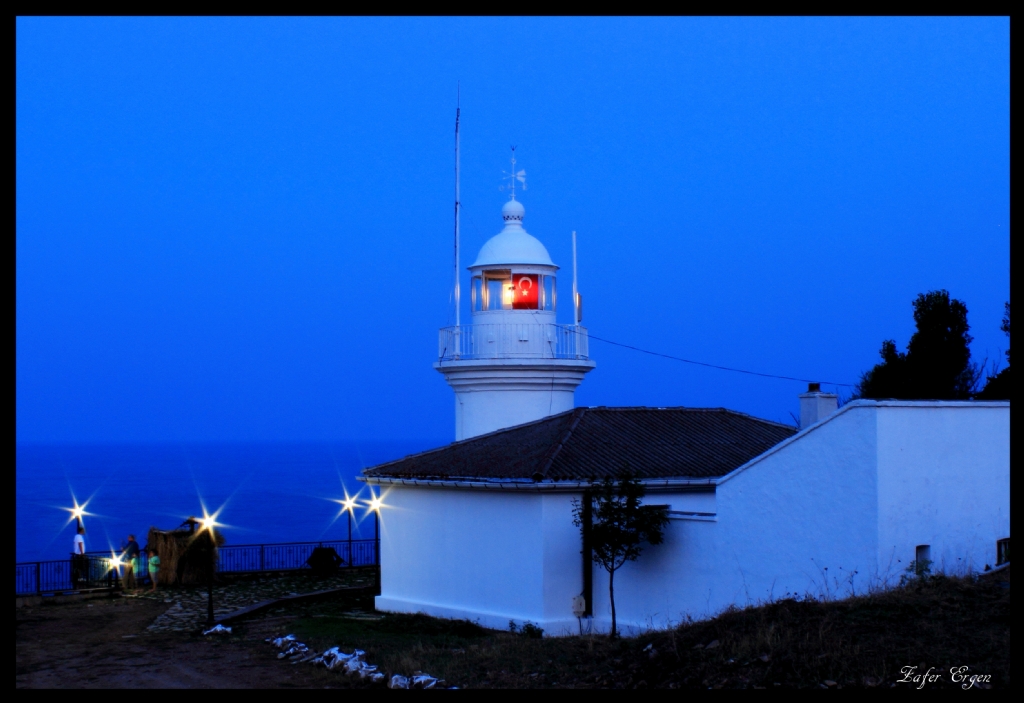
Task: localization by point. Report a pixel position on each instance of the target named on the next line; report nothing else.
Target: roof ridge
(553, 452)
(687, 408)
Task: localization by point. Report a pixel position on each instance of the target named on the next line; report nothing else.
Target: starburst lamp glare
(77, 511)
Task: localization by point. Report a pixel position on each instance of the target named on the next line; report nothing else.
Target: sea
(261, 493)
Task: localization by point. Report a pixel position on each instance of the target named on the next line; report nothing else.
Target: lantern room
(513, 271)
(509, 289)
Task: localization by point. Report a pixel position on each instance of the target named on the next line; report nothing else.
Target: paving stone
(189, 604)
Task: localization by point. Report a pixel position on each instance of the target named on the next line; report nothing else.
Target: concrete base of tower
(492, 394)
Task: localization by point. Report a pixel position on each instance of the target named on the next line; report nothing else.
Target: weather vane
(513, 176)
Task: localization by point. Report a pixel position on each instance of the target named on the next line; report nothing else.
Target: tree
(937, 364)
(621, 524)
(998, 387)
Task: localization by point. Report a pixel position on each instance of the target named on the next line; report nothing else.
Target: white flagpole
(457, 208)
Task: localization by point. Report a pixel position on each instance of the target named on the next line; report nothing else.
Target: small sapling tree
(621, 524)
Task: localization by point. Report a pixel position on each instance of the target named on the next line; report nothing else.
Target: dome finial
(512, 213)
(513, 176)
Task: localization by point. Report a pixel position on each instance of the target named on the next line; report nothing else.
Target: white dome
(513, 245)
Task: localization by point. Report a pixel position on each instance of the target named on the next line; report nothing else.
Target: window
(923, 556)
(548, 292)
(476, 294)
(505, 289)
(1002, 551)
(497, 290)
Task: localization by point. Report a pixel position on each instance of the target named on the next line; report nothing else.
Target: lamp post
(209, 585)
(206, 526)
(79, 560)
(114, 564)
(349, 505)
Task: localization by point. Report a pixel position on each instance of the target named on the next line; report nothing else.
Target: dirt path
(105, 644)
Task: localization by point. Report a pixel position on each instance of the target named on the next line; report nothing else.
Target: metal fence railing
(293, 555)
(76, 573)
(513, 341)
(99, 570)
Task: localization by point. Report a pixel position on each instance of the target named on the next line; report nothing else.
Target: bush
(528, 629)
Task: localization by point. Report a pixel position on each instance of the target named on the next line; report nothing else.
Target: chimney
(815, 405)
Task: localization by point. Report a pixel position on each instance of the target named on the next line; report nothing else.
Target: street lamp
(77, 511)
(114, 564)
(79, 560)
(349, 505)
(207, 523)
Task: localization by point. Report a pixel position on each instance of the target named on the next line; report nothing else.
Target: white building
(483, 529)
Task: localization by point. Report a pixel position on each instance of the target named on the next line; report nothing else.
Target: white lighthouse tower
(514, 363)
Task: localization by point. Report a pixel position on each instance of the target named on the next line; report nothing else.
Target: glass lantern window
(547, 293)
(497, 290)
(476, 294)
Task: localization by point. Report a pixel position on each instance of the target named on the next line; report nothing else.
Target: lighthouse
(514, 363)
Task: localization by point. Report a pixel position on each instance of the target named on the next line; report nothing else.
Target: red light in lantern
(525, 291)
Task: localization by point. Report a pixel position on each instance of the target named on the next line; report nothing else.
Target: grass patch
(861, 642)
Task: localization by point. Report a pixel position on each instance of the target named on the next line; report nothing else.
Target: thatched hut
(186, 553)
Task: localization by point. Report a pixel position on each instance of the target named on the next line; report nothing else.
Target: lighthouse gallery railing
(513, 341)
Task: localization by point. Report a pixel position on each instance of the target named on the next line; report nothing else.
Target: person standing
(79, 562)
(154, 567)
(131, 562)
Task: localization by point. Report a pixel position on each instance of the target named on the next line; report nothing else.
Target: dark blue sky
(240, 229)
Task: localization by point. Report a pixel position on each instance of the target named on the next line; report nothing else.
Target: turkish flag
(525, 291)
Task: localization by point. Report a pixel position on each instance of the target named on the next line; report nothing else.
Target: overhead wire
(715, 365)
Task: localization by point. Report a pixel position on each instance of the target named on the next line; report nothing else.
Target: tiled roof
(591, 443)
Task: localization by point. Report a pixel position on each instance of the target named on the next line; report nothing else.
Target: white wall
(944, 481)
(803, 519)
(563, 564)
(800, 517)
(463, 554)
(837, 509)
(669, 581)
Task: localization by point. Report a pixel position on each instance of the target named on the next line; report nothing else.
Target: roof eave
(525, 484)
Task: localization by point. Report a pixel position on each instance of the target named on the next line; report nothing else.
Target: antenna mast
(458, 205)
(575, 292)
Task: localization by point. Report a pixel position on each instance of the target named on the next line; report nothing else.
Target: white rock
(218, 629)
(423, 681)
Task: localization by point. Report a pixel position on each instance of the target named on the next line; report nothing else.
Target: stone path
(189, 604)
